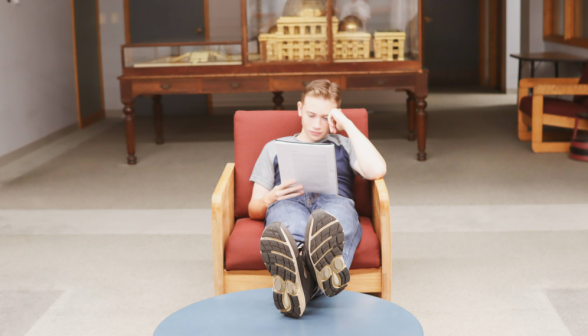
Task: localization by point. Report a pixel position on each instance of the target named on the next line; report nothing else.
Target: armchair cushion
(242, 249)
(553, 106)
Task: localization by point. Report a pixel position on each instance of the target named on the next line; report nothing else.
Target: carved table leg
(411, 114)
(129, 112)
(158, 118)
(421, 105)
(278, 100)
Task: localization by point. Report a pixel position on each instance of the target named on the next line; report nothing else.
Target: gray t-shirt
(267, 171)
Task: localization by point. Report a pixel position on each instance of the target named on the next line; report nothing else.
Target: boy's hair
(323, 88)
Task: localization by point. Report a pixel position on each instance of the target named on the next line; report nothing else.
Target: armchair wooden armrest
(527, 83)
(561, 89)
(223, 221)
(381, 221)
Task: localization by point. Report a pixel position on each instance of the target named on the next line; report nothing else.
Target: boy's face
(314, 112)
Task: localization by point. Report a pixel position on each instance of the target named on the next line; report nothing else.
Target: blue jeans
(294, 213)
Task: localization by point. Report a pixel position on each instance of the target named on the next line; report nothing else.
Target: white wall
(513, 41)
(37, 83)
(112, 36)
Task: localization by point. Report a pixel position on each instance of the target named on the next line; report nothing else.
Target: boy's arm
(370, 164)
(262, 198)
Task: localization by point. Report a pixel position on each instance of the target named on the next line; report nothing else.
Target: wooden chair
(237, 261)
(537, 110)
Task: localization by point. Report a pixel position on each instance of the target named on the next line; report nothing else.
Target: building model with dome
(301, 34)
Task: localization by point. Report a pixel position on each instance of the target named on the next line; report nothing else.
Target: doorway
(464, 43)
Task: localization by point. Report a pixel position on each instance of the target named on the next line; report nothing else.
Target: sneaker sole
(278, 253)
(324, 241)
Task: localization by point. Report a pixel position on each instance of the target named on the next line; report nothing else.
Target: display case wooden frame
(277, 77)
(571, 21)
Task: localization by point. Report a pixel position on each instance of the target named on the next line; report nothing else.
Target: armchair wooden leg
(524, 133)
(386, 289)
(537, 124)
(537, 131)
(551, 147)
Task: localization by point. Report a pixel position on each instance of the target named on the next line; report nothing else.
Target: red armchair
(537, 110)
(237, 261)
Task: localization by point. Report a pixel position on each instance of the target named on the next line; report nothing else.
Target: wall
(37, 85)
(112, 36)
(513, 42)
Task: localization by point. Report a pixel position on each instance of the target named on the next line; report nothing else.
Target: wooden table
(253, 312)
(136, 82)
(554, 57)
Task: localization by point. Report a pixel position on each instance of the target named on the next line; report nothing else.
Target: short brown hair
(323, 88)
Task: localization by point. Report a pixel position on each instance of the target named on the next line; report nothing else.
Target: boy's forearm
(370, 161)
(257, 209)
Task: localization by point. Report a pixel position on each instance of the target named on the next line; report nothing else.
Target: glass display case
(241, 46)
(291, 31)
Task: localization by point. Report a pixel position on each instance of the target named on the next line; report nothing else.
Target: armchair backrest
(582, 100)
(253, 129)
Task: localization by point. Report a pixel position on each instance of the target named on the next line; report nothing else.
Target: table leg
(532, 69)
(520, 70)
(421, 105)
(556, 69)
(278, 100)
(158, 118)
(411, 114)
(129, 112)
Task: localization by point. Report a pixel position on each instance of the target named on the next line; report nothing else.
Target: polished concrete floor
(488, 237)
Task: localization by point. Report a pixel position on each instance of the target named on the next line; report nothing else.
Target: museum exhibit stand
(272, 46)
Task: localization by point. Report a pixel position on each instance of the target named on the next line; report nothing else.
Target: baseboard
(33, 146)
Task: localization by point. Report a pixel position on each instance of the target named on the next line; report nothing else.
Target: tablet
(312, 165)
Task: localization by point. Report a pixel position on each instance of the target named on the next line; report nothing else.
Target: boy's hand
(337, 121)
(283, 191)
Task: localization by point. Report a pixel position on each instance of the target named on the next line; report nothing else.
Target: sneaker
(324, 240)
(292, 283)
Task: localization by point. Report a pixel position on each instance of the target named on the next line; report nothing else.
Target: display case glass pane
(393, 26)
(287, 30)
(363, 30)
(182, 55)
(169, 21)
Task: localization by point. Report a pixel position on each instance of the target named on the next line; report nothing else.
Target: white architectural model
(389, 46)
(193, 58)
(297, 38)
(352, 45)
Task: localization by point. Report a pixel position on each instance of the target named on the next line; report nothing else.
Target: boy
(310, 238)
